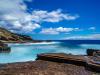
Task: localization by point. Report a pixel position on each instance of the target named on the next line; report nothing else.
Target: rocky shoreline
(45, 66)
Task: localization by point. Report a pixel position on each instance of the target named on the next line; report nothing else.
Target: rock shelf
(50, 64)
(4, 48)
(86, 61)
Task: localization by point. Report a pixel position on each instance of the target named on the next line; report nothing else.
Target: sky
(52, 19)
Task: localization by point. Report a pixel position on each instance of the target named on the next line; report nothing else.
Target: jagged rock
(46, 67)
(90, 52)
(4, 48)
(86, 61)
(61, 57)
(6, 35)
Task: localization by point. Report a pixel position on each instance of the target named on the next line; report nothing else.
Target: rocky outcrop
(8, 36)
(4, 48)
(94, 60)
(80, 60)
(62, 58)
(48, 67)
(91, 52)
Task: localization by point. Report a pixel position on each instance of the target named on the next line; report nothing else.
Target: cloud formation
(92, 28)
(57, 30)
(88, 37)
(53, 16)
(14, 16)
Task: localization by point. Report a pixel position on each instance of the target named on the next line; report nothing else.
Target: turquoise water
(29, 51)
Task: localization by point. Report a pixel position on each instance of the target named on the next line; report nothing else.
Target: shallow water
(29, 51)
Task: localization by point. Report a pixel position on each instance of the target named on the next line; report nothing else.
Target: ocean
(28, 51)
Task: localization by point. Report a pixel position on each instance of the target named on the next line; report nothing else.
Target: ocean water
(28, 51)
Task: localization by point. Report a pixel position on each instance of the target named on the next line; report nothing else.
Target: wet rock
(91, 52)
(4, 48)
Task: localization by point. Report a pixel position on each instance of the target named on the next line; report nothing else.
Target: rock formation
(4, 47)
(8, 36)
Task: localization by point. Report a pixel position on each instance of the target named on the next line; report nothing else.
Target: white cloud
(61, 29)
(12, 7)
(87, 37)
(29, 0)
(31, 27)
(49, 31)
(57, 30)
(16, 24)
(13, 16)
(53, 16)
(92, 28)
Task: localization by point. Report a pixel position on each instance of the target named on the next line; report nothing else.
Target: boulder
(91, 52)
(4, 47)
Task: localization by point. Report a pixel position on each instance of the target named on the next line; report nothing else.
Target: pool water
(29, 51)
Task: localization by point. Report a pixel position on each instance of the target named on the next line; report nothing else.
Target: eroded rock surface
(47, 67)
(41, 67)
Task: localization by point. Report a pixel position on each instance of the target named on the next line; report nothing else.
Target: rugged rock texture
(63, 58)
(47, 67)
(91, 52)
(2, 44)
(4, 47)
(8, 36)
(88, 61)
(41, 67)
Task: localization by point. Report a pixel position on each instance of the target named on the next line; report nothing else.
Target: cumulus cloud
(53, 16)
(62, 29)
(88, 37)
(14, 16)
(57, 30)
(49, 31)
(92, 28)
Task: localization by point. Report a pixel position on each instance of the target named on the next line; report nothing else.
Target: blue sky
(52, 19)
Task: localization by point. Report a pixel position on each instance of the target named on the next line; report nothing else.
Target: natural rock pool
(28, 51)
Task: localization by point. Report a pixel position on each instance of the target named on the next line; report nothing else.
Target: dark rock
(2, 44)
(4, 48)
(71, 59)
(62, 58)
(90, 52)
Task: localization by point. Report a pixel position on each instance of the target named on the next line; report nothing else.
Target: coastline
(48, 67)
(33, 41)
